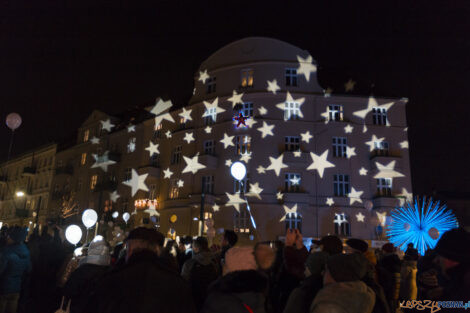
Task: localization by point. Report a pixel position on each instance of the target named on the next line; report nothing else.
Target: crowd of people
(149, 273)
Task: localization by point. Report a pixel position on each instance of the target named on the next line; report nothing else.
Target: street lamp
(20, 194)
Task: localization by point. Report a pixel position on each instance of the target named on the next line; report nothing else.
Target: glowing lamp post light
(238, 171)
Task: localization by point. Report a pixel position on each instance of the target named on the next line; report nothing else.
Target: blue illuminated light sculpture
(420, 225)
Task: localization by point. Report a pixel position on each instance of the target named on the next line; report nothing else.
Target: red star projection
(241, 119)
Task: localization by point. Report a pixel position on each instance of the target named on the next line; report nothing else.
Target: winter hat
(358, 244)
(388, 247)
(18, 234)
(239, 259)
(150, 235)
(455, 245)
(264, 256)
(331, 245)
(346, 267)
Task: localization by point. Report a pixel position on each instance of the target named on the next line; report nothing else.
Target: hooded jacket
(15, 262)
(344, 297)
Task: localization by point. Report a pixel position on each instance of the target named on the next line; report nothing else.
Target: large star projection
(421, 224)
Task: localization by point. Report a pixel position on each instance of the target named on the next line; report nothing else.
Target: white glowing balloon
(98, 238)
(73, 234)
(78, 252)
(126, 216)
(238, 170)
(115, 214)
(89, 218)
(13, 121)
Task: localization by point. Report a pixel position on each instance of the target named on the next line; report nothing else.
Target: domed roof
(253, 49)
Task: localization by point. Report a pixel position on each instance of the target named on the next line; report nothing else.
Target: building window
(342, 226)
(379, 116)
(208, 184)
(93, 181)
(291, 111)
(182, 123)
(86, 135)
(339, 147)
(154, 160)
(83, 160)
(381, 148)
(292, 143)
(293, 221)
(131, 145)
(247, 78)
(210, 116)
(209, 147)
(241, 221)
(341, 185)
(291, 77)
(157, 133)
(335, 112)
(211, 84)
(174, 190)
(128, 174)
(242, 186)
(384, 187)
(246, 109)
(243, 144)
(292, 182)
(176, 155)
(153, 191)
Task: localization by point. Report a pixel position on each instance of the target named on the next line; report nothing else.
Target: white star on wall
(188, 137)
(210, 106)
(261, 170)
(250, 122)
(95, 141)
(228, 162)
(297, 154)
(152, 148)
(326, 116)
(371, 143)
(355, 196)
(245, 157)
(262, 110)
(387, 171)
(288, 211)
(227, 141)
(203, 76)
(360, 217)
(295, 180)
(106, 125)
(152, 211)
(113, 196)
(102, 162)
(215, 207)
(208, 130)
(348, 129)
(339, 219)
(180, 183)
(160, 107)
(350, 151)
(364, 129)
(167, 173)
(320, 163)
(279, 195)
(404, 193)
(306, 67)
(276, 164)
(372, 103)
(290, 99)
(329, 201)
(186, 115)
(382, 217)
(306, 136)
(404, 144)
(234, 200)
(273, 86)
(168, 134)
(137, 182)
(349, 86)
(131, 128)
(266, 130)
(236, 98)
(255, 191)
(362, 171)
(192, 164)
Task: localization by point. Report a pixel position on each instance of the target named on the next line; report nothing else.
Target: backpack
(201, 276)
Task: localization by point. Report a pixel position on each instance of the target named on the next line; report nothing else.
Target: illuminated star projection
(227, 141)
(208, 130)
(215, 207)
(306, 67)
(186, 115)
(131, 128)
(266, 130)
(168, 134)
(114, 196)
(382, 217)
(102, 161)
(360, 217)
(350, 152)
(320, 163)
(261, 170)
(329, 201)
(236, 98)
(180, 183)
(107, 125)
(137, 182)
(348, 129)
(152, 148)
(288, 211)
(371, 143)
(212, 109)
(362, 171)
(355, 196)
(306, 136)
(188, 137)
(234, 200)
(372, 103)
(420, 224)
(94, 141)
(262, 110)
(290, 101)
(245, 157)
(255, 191)
(276, 164)
(349, 86)
(404, 144)
(228, 162)
(203, 76)
(273, 86)
(279, 195)
(192, 165)
(167, 173)
(158, 109)
(240, 119)
(387, 171)
(339, 219)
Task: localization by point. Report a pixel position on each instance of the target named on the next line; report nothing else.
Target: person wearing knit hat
(243, 286)
(343, 289)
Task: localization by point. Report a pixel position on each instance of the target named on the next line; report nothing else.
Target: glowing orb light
(126, 216)
(13, 121)
(238, 170)
(73, 234)
(422, 225)
(115, 214)
(98, 238)
(89, 218)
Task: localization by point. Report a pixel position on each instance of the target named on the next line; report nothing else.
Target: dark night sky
(59, 60)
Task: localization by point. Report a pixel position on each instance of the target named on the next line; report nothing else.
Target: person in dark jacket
(83, 280)
(242, 288)
(15, 263)
(389, 275)
(229, 241)
(145, 284)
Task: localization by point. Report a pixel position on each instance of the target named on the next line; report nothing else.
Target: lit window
(174, 189)
(83, 160)
(292, 182)
(243, 145)
(182, 122)
(384, 187)
(86, 134)
(247, 78)
(209, 147)
(246, 109)
(379, 116)
(131, 145)
(381, 148)
(339, 147)
(176, 155)
(291, 111)
(153, 192)
(127, 174)
(291, 77)
(293, 221)
(211, 84)
(292, 143)
(242, 186)
(335, 112)
(207, 215)
(342, 228)
(341, 185)
(241, 221)
(208, 184)
(158, 131)
(210, 116)
(93, 181)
